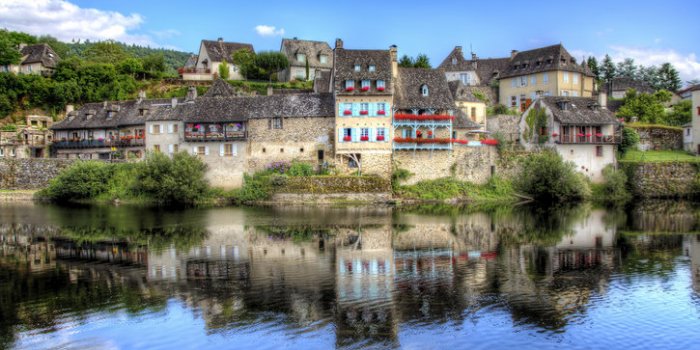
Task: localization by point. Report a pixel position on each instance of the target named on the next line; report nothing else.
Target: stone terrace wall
(506, 124)
(32, 173)
(471, 164)
(661, 180)
(659, 138)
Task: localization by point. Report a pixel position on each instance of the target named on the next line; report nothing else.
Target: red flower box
(588, 135)
(554, 134)
(461, 142)
(364, 138)
(380, 88)
(599, 135)
(381, 112)
(364, 112)
(380, 138)
(423, 117)
(347, 112)
(490, 142)
(365, 88)
(579, 135)
(347, 138)
(420, 140)
(349, 88)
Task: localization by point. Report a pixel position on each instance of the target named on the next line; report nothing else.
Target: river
(577, 277)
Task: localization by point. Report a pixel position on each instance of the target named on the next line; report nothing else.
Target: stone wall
(505, 124)
(373, 163)
(660, 180)
(473, 164)
(23, 174)
(659, 138)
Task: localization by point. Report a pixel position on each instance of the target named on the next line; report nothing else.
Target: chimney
(393, 52)
(339, 43)
(69, 108)
(269, 90)
(603, 100)
(191, 93)
(474, 56)
(220, 39)
(458, 49)
(513, 53)
(173, 102)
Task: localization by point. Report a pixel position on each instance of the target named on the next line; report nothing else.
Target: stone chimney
(269, 90)
(173, 102)
(339, 43)
(220, 39)
(474, 58)
(513, 53)
(394, 53)
(191, 93)
(69, 108)
(458, 49)
(603, 100)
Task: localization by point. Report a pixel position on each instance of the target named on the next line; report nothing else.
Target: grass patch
(495, 190)
(653, 126)
(658, 156)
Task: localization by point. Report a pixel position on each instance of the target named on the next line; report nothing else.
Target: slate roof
(579, 111)
(124, 113)
(312, 50)
(549, 58)
(345, 61)
(487, 69)
(408, 89)
(191, 61)
(220, 50)
(40, 53)
(220, 88)
(624, 84)
(461, 92)
(462, 121)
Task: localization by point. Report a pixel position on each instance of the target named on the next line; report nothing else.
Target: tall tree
(669, 78)
(271, 62)
(154, 64)
(105, 52)
(649, 75)
(422, 61)
(8, 52)
(245, 60)
(406, 61)
(627, 69)
(223, 70)
(592, 63)
(607, 70)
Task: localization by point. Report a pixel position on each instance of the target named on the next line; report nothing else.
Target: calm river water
(350, 277)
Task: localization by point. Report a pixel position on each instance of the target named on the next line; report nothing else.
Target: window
(365, 85)
(380, 85)
(687, 133)
(474, 113)
(523, 81)
(575, 77)
(276, 123)
(155, 129)
(372, 68)
(599, 151)
(228, 150)
(364, 134)
(424, 90)
(156, 148)
(381, 107)
(454, 61)
(173, 148)
(545, 78)
(465, 78)
(533, 80)
(2, 152)
(349, 84)
(201, 150)
(381, 134)
(574, 93)
(513, 101)
(347, 135)
(364, 107)
(301, 57)
(513, 83)
(323, 59)
(566, 77)
(357, 68)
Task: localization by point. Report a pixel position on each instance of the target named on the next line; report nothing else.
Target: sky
(650, 32)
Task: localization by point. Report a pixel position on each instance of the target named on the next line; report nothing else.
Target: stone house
(618, 87)
(472, 100)
(546, 71)
(475, 71)
(580, 129)
(36, 59)
(363, 86)
(211, 54)
(317, 54)
(29, 141)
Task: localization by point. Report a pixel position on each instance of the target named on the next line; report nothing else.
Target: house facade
(36, 59)
(316, 55)
(472, 100)
(211, 54)
(580, 129)
(29, 141)
(546, 71)
(363, 88)
(474, 71)
(693, 133)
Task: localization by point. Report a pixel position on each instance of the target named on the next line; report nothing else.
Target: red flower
(381, 112)
(380, 88)
(423, 117)
(490, 142)
(347, 138)
(365, 88)
(554, 134)
(588, 135)
(349, 88)
(347, 112)
(419, 140)
(364, 138)
(599, 135)
(461, 142)
(380, 138)
(579, 135)
(363, 112)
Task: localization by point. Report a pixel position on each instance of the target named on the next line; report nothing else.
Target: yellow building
(546, 71)
(472, 101)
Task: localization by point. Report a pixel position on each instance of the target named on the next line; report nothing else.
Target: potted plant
(380, 137)
(347, 138)
(364, 138)
(381, 112)
(350, 88)
(380, 88)
(365, 88)
(347, 112)
(364, 112)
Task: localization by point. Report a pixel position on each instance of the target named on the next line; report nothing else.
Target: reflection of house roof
(345, 61)
(624, 84)
(486, 69)
(219, 51)
(579, 110)
(408, 89)
(464, 93)
(312, 49)
(40, 53)
(544, 59)
(220, 88)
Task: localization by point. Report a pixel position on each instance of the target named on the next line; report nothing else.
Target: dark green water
(357, 277)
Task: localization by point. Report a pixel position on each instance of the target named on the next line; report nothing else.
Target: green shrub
(399, 175)
(80, 181)
(254, 188)
(547, 177)
(278, 180)
(300, 169)
(613, 190)
(9, 127)
(179, 180)
(122, 183)
(630, 139)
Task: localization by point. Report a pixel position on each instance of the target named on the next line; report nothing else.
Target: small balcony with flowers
(422, 131)
(215, 132)
(580, 134)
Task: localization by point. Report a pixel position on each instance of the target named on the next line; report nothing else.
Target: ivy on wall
(536, 119)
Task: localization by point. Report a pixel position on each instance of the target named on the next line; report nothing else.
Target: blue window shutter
(372, 109)
(340, 135)
(355, 134)
(370, 133)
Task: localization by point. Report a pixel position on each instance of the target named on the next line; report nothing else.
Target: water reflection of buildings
(691, 248)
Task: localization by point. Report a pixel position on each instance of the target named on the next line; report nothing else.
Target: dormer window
(454, 61)
(372, 68)
(323, 59)
(301, 57)
(349, 85)
(381, 85)
(365, 85)
(424, 90)
(549, 61)
(110, 114)
(357, 68)
(142, 112)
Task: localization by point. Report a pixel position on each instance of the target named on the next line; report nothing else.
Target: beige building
(472, 101)
(691, 134)
(36, 59)
(546, 71)
(316, 55)
(211, 54)
(31, 140)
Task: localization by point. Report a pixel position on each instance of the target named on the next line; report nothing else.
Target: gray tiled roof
(624, 84)
(220, 50)
(462, 121)
(123, 113)
(544, 59)
(345, 61)
(191, 61)
(220, 88)
(579, 111)
(408, 89)
(312, 50)
(487, 69)
(461, 92)
(40, 53)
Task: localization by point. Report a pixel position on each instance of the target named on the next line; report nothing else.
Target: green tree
(547, 177)
(271, 62)
(649, 75)
(668, 78)
(179, 180)
(592, 63)
(223, 70)
(62, 49)
(245, 60)
(154, 64)
(8, 52)
(81, 181)
(630, 140)
(607, 70)
(647, 108)
(681, 113)
(105, 52)
(130, 66)
(626, 69)
(406, 61)
(422, 61)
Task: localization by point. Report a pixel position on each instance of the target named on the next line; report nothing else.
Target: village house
(211, 54)
(581, 129)
(475, 71)
(617, 88)
(546, 71)
(31, 140)
(363, 86)
(472, 100)
(306, 58)
(36, 59)
(691, 131)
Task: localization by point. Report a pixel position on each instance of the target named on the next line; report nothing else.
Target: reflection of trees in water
(541, 225)
(663, 216)
(649, 254)
(183, 237)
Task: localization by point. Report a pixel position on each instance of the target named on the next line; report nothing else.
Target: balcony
(80, 144)
(195, 71)
(427, 120)
(586, 139)
(409, 143)
(216, 136)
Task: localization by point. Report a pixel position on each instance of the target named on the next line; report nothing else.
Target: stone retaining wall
(662, 179)
(31, 173)
(473, 164)
(659, 138)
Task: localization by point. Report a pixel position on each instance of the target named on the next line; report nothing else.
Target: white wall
(695, 119)
(585, 159)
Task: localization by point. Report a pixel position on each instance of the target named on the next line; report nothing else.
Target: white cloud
(265, 30)
(687, 65)
(167, 33)
(67, 21)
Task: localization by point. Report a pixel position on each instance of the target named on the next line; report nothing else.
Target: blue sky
(649, 32)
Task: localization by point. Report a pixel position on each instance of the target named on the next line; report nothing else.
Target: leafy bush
(80, 181)
(278, 167)
(496, 189)
(300, 169)
(9, 127)
(179, 180)
(614, 188)
(630, 139)
(547, 177)
(256, 187)
(399, 175)
(278, 180)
